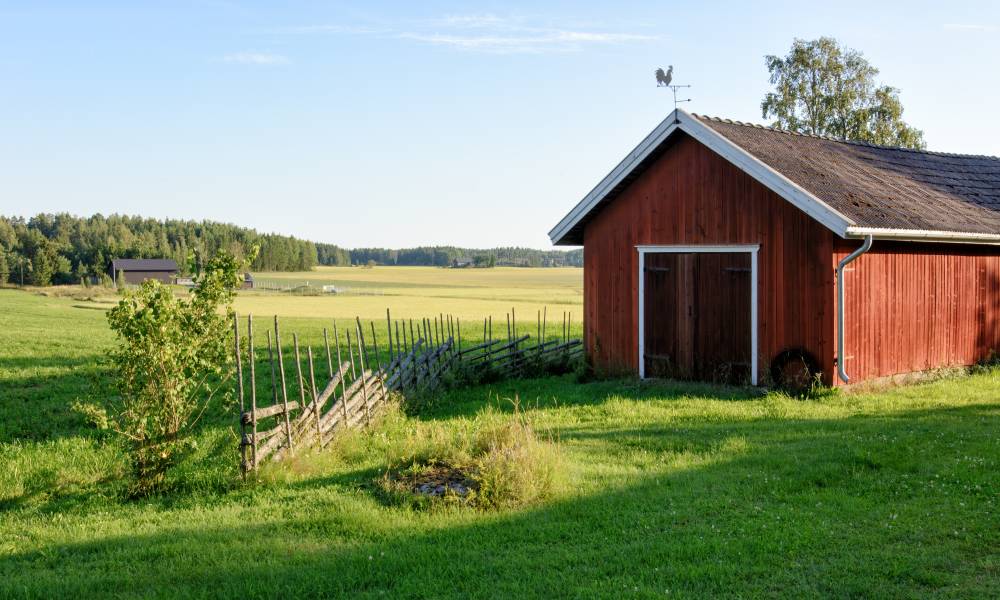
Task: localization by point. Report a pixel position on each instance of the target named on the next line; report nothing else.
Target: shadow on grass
(869, 505)
(563, 390)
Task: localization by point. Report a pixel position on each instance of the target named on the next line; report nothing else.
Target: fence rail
(360, 387)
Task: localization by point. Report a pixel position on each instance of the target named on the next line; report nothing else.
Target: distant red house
(137, 270)
(712, 252)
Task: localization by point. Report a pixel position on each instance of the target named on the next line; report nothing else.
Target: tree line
(57, 249)
(60, 248)
(445, 256)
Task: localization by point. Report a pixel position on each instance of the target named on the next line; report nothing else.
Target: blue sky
(397, 124)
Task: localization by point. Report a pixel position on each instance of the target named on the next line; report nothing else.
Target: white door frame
(752, 249)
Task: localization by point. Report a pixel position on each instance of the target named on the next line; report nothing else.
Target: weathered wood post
(364, 384)
(350, 353)
(315, 395)
(253, 394)
(378, 361)
(569, 324)
(298, 370)
(388, 324)
(329, 358)
(510, 346)
(274, 375)
(538, 340)
(239, 387)
(343, 384)
(545, 315)
(284, 387)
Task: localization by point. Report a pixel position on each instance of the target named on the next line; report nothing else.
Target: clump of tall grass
(494, 461)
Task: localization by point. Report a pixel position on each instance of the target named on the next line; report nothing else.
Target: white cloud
(486, 33)
(488, 20)
(333, 29)
(255, 58)
(543, 41)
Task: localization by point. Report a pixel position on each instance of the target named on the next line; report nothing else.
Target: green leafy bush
(171, 360)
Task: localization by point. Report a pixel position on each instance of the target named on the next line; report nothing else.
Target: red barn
(712, 251)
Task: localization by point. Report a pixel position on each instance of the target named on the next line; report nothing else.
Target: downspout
(865, 247)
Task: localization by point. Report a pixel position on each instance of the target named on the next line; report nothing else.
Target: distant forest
(443, 256)
(62, 248)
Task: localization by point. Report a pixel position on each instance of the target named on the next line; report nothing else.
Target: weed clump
(496, 461)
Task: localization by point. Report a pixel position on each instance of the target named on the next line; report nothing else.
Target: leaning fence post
(343, 384)
(378, 361)
(239, 385)
(350, 351)
(539, 334)
(388, 324)
(274, 375)
(545, 315)
(298, 369)
(509, 344)
(253, 394)
(329, 358)
(284, 388)
(312, 382)
(364, 384)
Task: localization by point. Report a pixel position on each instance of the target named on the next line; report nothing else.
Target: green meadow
(664, 489)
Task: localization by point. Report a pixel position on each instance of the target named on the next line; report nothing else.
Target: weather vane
(664, 79)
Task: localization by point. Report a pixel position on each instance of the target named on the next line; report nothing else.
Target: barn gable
(853, 189)
(690, 197)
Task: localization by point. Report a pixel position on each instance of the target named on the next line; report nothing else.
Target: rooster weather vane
(664, 79)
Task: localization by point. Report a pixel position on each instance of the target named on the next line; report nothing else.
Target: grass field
(412, 292)
(670, 490)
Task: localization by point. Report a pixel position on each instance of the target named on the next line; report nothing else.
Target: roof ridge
(841, 140)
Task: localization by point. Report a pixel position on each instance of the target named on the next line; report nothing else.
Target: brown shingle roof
(144, 264)
(878, 186)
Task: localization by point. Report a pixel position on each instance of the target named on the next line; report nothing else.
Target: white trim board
(681, 120)
(752, 249)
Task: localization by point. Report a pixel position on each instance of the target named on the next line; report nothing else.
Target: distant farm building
(712, 251)
(137, 270)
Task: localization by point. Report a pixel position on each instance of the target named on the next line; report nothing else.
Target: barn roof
(853, 188)
(144, 264)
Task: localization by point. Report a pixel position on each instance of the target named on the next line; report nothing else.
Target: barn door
(696, 316)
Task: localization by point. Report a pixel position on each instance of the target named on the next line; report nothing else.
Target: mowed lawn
(669, 490)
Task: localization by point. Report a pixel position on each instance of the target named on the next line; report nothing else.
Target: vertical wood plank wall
(690, 195)
(913, 307)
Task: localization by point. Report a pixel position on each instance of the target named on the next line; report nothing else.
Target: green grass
(668, 489)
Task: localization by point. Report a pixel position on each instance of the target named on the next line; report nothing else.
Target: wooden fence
(358, 385)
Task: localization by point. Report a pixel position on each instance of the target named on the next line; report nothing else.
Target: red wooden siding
(913, 307)
(692, 196)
